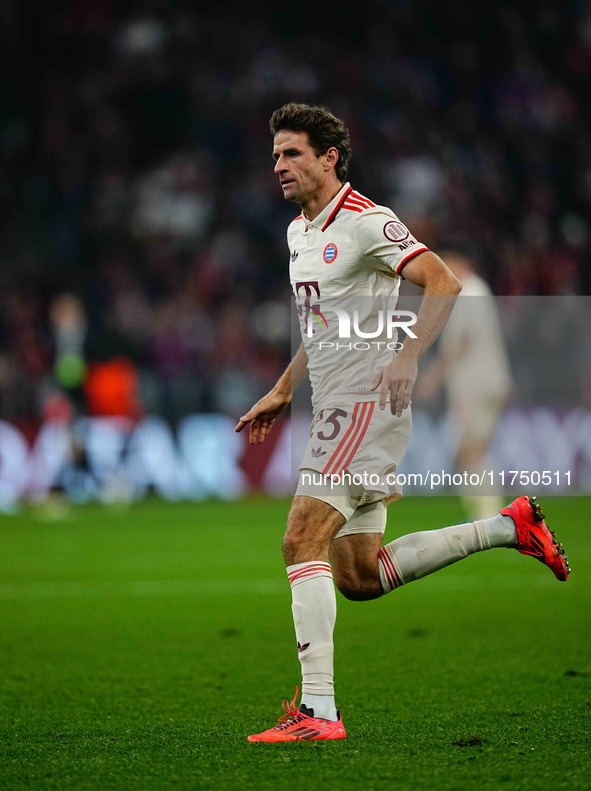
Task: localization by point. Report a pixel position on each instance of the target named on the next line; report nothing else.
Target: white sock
(314, 608)
(501, 531)
(415, 555)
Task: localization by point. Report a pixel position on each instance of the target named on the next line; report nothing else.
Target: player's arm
(264, 413)
(440, 289)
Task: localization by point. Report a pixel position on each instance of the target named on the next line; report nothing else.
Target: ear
(331, 158)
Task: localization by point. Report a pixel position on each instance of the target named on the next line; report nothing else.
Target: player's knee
(309, 532)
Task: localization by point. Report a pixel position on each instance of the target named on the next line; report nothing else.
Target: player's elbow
(454, 284)
(448, 282)
(445, 284)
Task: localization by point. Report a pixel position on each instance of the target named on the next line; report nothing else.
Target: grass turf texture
(139, 649)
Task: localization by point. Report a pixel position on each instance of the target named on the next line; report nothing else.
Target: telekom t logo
(311, 290)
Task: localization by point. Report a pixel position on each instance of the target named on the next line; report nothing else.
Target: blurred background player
(472, 366)
(80, 388)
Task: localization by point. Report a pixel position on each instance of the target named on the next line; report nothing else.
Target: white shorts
(351, 460)
(367, 517)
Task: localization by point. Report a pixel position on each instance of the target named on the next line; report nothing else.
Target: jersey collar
(328, 214)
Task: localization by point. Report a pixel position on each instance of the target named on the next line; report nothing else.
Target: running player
(346, 251)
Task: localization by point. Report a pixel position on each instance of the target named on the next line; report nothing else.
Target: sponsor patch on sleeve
(395, 231)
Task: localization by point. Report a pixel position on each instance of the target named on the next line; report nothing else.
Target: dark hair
(324, 130)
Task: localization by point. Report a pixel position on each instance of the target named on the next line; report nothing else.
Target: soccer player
(347, 257)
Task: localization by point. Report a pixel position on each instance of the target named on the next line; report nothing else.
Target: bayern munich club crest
(395, 231)
(330, 253)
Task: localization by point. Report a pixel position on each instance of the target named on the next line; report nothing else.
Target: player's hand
(262, 416)
(397, 379)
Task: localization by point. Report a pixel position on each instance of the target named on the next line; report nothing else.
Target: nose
(279, 165)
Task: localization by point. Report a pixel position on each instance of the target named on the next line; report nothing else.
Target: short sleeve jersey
(345, 270)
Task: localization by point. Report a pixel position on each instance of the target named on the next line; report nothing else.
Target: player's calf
(358, 589)
(354, 560)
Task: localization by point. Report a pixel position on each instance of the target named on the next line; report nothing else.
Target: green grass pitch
(138, 649)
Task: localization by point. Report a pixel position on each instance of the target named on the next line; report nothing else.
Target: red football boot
(296, 725)
(534, 538)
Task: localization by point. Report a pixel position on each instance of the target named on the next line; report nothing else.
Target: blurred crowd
(144, 229)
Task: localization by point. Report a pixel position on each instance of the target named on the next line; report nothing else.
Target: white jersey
(345, 272)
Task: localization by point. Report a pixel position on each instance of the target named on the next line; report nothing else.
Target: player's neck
(320, 200)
